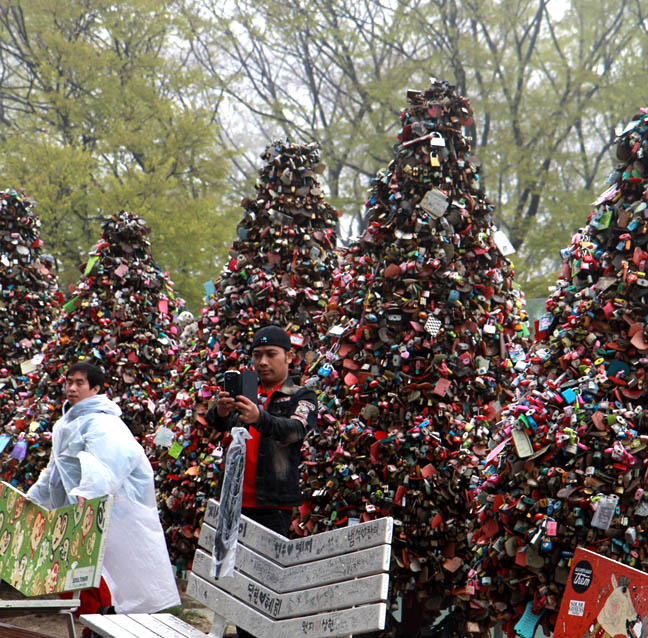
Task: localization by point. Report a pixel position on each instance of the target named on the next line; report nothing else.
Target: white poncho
(94, 454)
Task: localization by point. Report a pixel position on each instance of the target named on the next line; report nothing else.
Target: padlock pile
(29, 305)
(120, 315)
(281, 263)
(279, 271)
(567, 465)
(425, 327)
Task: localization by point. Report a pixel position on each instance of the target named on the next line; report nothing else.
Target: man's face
(77, 388)
(271, 364)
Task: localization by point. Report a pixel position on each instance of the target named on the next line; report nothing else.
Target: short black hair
(93, 373)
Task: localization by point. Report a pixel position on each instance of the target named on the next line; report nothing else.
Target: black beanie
(271, 336)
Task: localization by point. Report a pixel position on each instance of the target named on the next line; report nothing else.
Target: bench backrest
(50, 551)
(329, 584)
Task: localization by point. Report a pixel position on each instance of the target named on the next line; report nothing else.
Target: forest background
(163, 108)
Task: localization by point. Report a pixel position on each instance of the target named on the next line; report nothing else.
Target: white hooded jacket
(94, 454)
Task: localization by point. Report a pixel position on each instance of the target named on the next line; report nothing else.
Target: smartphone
(250, 385)
(232, 383)
(245, 383)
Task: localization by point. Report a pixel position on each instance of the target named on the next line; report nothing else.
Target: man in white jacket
(94, 454)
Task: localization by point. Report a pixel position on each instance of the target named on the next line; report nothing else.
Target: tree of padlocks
(29, 304)
(568, 462)
(425, 326)
(279, 271)
(120, 316)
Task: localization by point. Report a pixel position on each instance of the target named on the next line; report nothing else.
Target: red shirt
(252, 453)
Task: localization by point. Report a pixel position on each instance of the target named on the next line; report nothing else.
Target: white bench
(140, 626)
(11, 608)
(330, 584)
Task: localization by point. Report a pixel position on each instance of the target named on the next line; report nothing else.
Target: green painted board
(44, 552)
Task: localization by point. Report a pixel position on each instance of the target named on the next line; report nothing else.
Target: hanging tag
(527, 625)
(20, 450)
(434, 202)
(605, 511)
(70, 306)
(432, 326)
(164, 437)
(28, 366)
(397, 609)
(4, 441)
(522, 443)
(90, 265)
(175, 450)
(503, 244)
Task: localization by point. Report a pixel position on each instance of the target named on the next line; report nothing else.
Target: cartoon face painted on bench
(60, 527)
(5, 541)
(90, 543)
(64, 552)
(29, 573)
(88, 519)
(75, 546)
(30, 513)
(11, 500)
(18, 572)
(101, 516)
(38, 531)
(18, 510)
(43, 552)
(18, 538)
(51, 579)
(78, 513)
(51, 515)
(37, 586)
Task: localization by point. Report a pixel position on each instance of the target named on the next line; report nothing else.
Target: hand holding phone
(239, 384)
(245, 383)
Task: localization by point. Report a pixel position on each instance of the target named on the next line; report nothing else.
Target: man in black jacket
(278, 423)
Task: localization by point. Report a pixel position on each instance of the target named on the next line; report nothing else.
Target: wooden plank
(162, 628)
(365, 562)
(139, 625)
(38, 606)
(104, 626)
(174, 623)
(127, 622)
(9, 631)
(293, 552)
(356, 620)
(350, 593)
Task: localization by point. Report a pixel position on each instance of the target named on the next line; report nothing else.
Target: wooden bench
(41, 553)
(9, 631)
(330, 584)
(12, 608)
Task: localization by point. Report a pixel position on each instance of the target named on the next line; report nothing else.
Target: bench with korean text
(329, 584)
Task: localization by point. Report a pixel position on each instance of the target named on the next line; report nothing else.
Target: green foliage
(163, 108)
(548, 83)
(106, 114)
